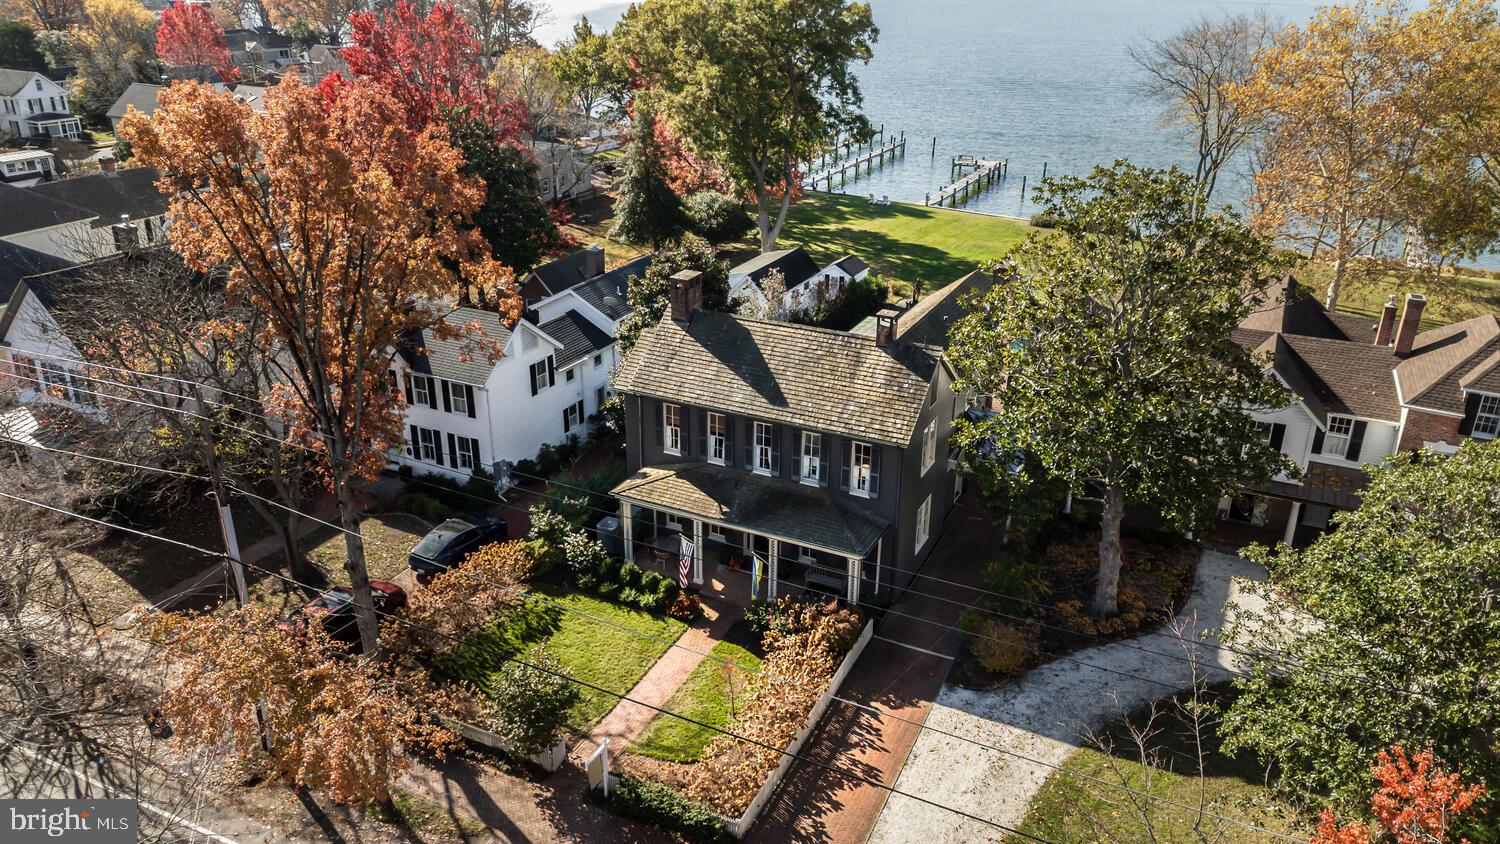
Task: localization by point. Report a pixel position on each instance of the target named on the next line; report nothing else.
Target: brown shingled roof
(1430, 376)
(809, 377)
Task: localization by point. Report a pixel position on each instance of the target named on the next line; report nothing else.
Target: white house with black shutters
(503, 392)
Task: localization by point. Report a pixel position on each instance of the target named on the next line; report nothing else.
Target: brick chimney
(1386, 331)
(686, 295)
(1411, 318)
(107, 165)
(885, 327)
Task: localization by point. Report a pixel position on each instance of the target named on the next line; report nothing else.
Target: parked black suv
(448, 543)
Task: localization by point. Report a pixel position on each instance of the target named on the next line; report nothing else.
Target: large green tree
(514, 220)
(649, 295)
(1109, 351)
(757, 86)
(648, 212)
(1404, 642)
(18, 50)
(582, 64)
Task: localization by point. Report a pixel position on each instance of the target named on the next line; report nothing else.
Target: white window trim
(767, 451)
(421, 390)
(543, 383)
(458, 399)
(718, 442)
(1344, 438)
(854, 467)
(671, 521)
(427, 444)
(671, 435)
(715, 532)
(924, 523)
(813, 463)
(929, 446)
(468, 452)
(1492, 415)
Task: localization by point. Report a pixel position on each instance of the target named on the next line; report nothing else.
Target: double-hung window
(929, 446)
(924, 522)
(812, 457)
(541, 375)
(718, 443)
(572, 416)
(671, 425)
(861, 468)
(421, 390)
(458, 398)
(1487, 419)
(467, 449)
(1340, 432)
(427, 445)
(764, 440)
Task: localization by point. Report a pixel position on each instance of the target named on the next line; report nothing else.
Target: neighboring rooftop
(852, 264)
(466, 359)
(795, 264)
(608, 293)
(109, 196)
(792, 374)
(929, 320)
(12, 81)
(18, 262)
(563, 273)
(579, 338)
(26, 210)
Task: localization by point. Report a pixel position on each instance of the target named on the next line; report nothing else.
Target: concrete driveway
(1043, 716)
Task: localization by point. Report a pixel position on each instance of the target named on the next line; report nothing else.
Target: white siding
(1296, 443)
(32, 332)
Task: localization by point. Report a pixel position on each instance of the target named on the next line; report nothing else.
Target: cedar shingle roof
(803, 514)
(578, 336)
(930, 319)
(465, 359)
(809, 377)
(1431, 375)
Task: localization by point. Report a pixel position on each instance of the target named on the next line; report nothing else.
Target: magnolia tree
(348, 230)
(1109, 356)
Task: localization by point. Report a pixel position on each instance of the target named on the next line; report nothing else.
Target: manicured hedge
(663, 806)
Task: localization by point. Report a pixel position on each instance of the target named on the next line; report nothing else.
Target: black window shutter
(875, 451)
(1356, 441)
(432, 398)
(776, 432)
(452, 452)
(437, 446)
(416, 444)
(1471, 412)
(408, 390)
(474, 450)
(447, 407)
(661, 411)
(703, 434)
(469, 399)
(729, 438)
(749, 443)
(1278, 435)
(685, 419)
(844, 456)
(391, 376)
(823, 460)
(1317, 447)
(533, 379)
(551, 371)
(567, 419)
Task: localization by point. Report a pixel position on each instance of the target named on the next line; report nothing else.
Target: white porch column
(1291, 522)
(854, 564)
(1068, 502)
(773, 548)
(627, 531)
(878, 543)
(697, 552)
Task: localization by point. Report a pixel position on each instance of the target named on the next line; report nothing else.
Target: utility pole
(237, 574)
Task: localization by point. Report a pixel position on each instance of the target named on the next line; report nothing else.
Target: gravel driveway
(1042, 716)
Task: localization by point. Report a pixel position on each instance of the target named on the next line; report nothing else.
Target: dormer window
(1487, 419)
(671, 421)
(765, 447)
(1340, 432)
(718, 442)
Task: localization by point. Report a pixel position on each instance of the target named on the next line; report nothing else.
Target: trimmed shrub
(423, 506)
(1044, 221)
(583, 553)
(531, 706)
(718, 218)
(663, 806)
(1001, 648)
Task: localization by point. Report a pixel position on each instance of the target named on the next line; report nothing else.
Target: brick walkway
(627, 719)
(816, 804)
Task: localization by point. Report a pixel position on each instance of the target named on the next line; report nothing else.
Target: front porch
(1295, 514)
(744, 537)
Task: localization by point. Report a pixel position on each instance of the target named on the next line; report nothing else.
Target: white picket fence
(550, 760)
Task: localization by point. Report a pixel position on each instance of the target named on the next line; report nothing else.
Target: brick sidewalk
(816, 804)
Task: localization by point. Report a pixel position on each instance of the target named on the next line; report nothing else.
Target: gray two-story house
(823, 454)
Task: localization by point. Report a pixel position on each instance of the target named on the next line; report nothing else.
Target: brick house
(821, 453)
(1364, 390)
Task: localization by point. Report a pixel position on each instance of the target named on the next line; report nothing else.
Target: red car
(334, 609)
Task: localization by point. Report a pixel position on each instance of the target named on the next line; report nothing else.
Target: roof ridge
(794, 326)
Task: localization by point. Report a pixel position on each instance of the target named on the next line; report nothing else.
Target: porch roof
(806, 515)
(1335, 486)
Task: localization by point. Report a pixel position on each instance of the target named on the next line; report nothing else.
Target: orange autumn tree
(348, 230)
(336, 724)
(189, 37)
(1415, 802)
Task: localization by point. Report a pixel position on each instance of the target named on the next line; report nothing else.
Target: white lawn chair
(885, 199)
(872, 199)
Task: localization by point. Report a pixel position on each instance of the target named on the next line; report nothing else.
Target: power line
(561, 675)
(526, 595)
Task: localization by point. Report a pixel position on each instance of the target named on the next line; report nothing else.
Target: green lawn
(590, 651)
(703, 697)
(1450, 298)
(903, 243)
(1070, 810)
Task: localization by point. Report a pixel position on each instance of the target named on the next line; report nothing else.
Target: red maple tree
(430, 64)
(1415, 802)
(189, 37)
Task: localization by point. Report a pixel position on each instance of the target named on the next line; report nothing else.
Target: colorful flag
(755, 567)
(684, 560)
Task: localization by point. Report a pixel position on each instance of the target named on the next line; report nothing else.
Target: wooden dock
(973, 176)
(871, 158)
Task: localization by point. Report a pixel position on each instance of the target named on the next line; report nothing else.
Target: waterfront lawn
(591, 651)
(703, 697)
(1451, 298)
(902, 243)
(1070, 809)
